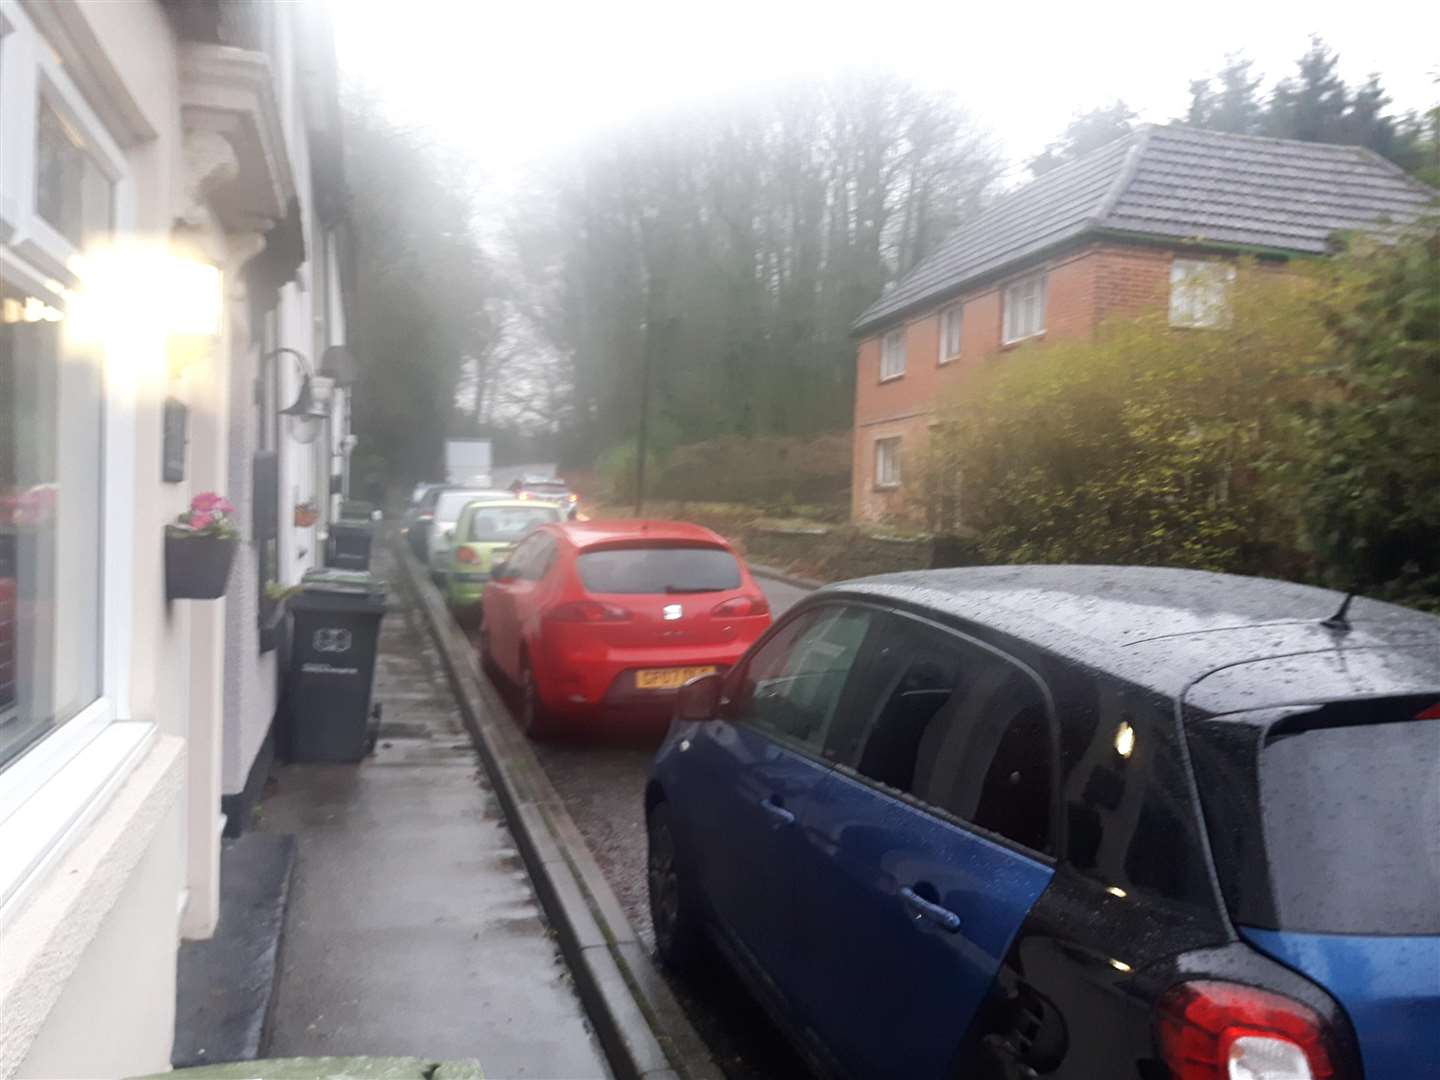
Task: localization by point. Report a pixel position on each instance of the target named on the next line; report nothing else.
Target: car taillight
(1224, 1031)
(588, 611)
(1432, 713)
(738, 606)
(466, 555)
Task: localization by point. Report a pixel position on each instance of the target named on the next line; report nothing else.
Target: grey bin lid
(349, 582)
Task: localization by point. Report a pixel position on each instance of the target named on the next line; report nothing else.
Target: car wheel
(673, 911)
(487, 658)
(533, 720)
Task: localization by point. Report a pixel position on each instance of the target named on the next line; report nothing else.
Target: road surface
(603, 788)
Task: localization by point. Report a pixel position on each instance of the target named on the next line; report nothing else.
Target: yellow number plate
(668, 678)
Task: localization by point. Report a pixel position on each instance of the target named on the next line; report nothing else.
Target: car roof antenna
(1341, 619)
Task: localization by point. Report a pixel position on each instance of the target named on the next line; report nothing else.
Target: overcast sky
(510, 82)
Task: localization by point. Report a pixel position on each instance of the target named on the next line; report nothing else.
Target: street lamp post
(642, 437)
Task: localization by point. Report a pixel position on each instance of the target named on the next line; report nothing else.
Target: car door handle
(779, 814)
(942, 917)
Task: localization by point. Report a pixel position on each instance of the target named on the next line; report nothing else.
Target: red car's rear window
(651, 568)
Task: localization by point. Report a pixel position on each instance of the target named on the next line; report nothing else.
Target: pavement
(414, 928)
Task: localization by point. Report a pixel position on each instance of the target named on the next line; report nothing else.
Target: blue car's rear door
(929, 845)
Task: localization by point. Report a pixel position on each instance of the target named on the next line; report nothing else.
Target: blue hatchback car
(1087, 823)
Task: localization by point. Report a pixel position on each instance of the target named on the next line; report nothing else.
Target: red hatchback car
(605, 620)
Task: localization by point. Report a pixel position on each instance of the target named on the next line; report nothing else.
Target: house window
(51, 508)
(1024, 309)
(892, 355)
(887, 462)
(67, 506)
(1200, 293)
(950, 323)
(71, 192)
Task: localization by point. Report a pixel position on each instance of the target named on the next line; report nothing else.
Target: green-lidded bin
(334, 638)
(351, 536)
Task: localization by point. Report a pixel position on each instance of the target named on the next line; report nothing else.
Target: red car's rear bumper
(599, 686)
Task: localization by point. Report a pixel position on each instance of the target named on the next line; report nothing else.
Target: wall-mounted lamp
(305, 418)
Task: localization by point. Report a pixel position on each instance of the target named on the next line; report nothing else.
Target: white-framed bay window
(1024, 314)
(66, 459)
(892, 354)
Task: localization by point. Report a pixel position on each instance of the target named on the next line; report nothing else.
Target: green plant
(277, 593)
(1143, 446)
(1368, 484)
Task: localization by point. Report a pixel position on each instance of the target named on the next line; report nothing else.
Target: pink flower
(199, 521)
(223, 505)
(206, 501)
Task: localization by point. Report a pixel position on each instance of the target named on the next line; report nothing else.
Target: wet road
(603, 788)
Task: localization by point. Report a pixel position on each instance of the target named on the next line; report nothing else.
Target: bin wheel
(533, 720)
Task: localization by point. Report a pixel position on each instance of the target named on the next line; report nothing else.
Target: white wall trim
(47, 930)
(69, 32)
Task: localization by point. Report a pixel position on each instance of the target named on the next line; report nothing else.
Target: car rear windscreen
(453, 502)
(1348, 817)
(658, 569)
(505, 524)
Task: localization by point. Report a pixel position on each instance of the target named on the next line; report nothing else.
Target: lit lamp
(195, 302)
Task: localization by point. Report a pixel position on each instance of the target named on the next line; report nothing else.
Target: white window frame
(887, 463)
(1014, 326)
(49, 790)
(947, 353)
(892, 354)
(1200, 294)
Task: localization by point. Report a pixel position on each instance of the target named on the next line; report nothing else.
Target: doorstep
(225, 985)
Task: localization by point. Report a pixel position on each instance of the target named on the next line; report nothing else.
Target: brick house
(1150, 219)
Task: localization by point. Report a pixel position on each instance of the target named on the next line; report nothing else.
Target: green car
(484, 536)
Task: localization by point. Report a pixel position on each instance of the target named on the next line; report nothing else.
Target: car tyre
(673, 911)
(533, 719)
(487, 658)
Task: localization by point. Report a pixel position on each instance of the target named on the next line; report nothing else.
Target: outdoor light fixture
(305, 418)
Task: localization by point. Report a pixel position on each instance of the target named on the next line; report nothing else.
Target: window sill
(122, 787)
(1005, 346)
(35, 834)
(891, 378)
(885, 487)
(947, 361)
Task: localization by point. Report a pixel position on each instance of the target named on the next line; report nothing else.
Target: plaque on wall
(176, 420)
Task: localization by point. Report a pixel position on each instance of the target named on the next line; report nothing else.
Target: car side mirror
(699, 699)
(501, 572)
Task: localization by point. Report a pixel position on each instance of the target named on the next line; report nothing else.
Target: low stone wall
(840, 552)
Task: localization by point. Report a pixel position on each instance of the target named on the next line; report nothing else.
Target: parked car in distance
(485, 534)
(549, 488)
(418, 517)
(599, 623)
(1070, 822)
(448, 505)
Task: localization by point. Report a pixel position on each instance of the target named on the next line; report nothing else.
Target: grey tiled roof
(1172, 182)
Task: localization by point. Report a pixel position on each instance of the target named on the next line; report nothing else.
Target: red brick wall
(1129, 280)
(904, 406)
